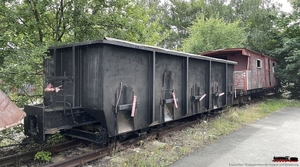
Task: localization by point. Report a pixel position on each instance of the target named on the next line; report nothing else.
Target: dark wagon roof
(244, 51)
(128, 44)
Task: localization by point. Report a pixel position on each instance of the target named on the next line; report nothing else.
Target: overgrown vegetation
(211, 34)
(29, 27)
(171, 149)
(56, 138)
(13, 135)
(43, 156)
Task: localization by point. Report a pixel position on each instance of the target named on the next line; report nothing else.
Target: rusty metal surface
(228, 51)
(249, 74)
(239, 79)
(10, 114)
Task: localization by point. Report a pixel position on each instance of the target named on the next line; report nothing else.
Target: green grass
(171, 149)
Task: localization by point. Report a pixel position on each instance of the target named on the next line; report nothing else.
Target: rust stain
(256, 76)
(10, 114)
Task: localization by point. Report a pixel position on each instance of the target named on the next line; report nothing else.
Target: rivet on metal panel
(133, 106)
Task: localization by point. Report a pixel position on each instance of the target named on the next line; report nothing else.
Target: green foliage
(288, 70)
(220, 8)
(56, 138)
(287, 51)
(44, 156)
(257, 17)
(178, 16)
(212, 34)
(28, 27)
(22, 73)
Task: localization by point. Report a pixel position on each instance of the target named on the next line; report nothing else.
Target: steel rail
(100, 153)
(82, 159)
(17, 159)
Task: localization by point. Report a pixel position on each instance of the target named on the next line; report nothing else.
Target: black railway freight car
(111, 87)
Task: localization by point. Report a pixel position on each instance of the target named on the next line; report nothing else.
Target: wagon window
(258, 63)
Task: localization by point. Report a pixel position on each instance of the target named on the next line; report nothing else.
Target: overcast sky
(286, 6)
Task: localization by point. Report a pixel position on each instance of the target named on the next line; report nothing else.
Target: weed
(8, 136)
(43, 156)
(207, 131)
(56, 138)
(185, 150)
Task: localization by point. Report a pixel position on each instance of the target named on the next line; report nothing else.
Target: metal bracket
(167, 101)
(99, 138)
(219, 94)
(126, 107)
(198, 98)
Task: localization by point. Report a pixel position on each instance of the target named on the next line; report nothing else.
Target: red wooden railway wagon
(254, 73)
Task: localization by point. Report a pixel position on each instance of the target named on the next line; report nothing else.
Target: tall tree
(178, 16)
(287, 50)
(29, 26)
(257, 16)
(212, 34)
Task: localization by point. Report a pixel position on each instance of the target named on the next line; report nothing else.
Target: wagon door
(169, 87)
(198, 85)
(218, 85)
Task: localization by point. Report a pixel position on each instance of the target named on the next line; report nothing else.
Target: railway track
(157, 133)
(18, 159)
(82, 159)
(122, 145)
